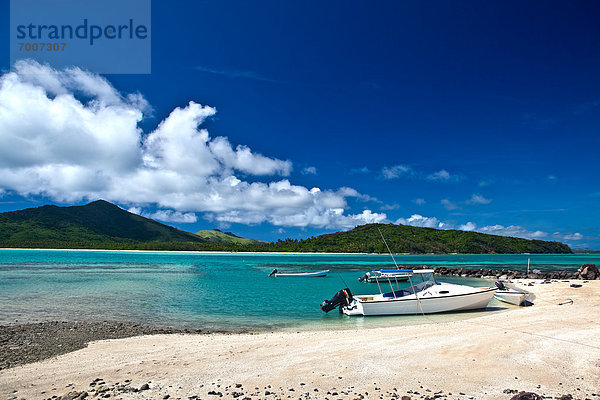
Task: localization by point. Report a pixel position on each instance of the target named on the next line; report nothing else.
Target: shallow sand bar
(548, 348)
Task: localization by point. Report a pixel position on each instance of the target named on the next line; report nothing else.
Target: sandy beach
(550, 349)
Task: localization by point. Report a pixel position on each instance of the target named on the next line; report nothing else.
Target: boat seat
(398, 293)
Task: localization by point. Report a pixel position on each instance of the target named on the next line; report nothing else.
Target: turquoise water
(210, 290)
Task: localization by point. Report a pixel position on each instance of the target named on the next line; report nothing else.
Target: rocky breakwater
(586, 272)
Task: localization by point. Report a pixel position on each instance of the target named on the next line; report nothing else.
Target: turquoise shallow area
(215, 291)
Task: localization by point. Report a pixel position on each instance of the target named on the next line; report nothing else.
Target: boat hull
(365, 305)
(315, 274)
(510, 297)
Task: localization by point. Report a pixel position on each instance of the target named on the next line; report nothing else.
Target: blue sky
(465, 114)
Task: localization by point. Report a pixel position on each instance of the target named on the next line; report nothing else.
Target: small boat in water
(309, 274)
(378, 275)
(509, 295)
(424, 296)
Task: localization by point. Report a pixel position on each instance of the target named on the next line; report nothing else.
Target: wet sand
(550, 349)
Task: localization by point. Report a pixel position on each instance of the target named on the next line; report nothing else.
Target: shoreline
(24, 343)
(549, 349)
(297, 253)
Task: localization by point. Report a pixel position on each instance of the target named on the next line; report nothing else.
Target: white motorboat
(509, 295)
(424, 296)
(379, 275)
(309, 274)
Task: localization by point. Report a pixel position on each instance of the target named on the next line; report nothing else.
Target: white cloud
(330, 218)
(419, 220)
(419, 201)
(309, 171)
(166, 215)
(475, 199)
(512, 230)
(443, 176)
(478, 199)
(349, 192)
(70, 135)
(568, 236)
(448, 205)
(469, 226)
(395, 171)
(394, 206)
(500, 230)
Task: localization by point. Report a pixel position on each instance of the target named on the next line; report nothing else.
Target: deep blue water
(206, 290)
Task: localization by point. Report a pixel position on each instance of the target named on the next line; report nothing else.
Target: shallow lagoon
(215, 290)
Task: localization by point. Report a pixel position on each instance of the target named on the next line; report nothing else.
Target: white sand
(554, 346)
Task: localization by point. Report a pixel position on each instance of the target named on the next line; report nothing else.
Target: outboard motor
(500, 285)
(364, 277)
(273, 272)
(341, 298)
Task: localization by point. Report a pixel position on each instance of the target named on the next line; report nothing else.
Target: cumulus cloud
(419, 220)
(330, 218)
(394, 206)
(166, 215)
(70, 135)
(478, 199)
(448, 205)
(395, 171)
(442, 176)
(475, 199)
(568, 236)
(398, 171)
(501, 230)
(469, 226)
(309, 171)
(512, 230)
(350, 192)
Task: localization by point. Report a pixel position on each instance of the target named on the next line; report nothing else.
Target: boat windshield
(420, 282)
(417, 279)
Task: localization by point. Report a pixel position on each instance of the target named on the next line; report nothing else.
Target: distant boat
(378, 275)
(309, 274)
(510, 296)
(424, 296)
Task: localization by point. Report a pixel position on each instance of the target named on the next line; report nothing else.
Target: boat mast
(397, 267)
(388, 247)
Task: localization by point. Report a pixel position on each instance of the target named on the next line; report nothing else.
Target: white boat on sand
(424, 296)
(309, 274)
(509, 295)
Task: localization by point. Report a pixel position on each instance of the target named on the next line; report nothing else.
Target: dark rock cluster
(587, 272)
(217, 390)
(26, 343)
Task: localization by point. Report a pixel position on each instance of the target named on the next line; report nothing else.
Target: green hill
(102, 225)
(410, 239)
(218, 236)
(97, 224)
